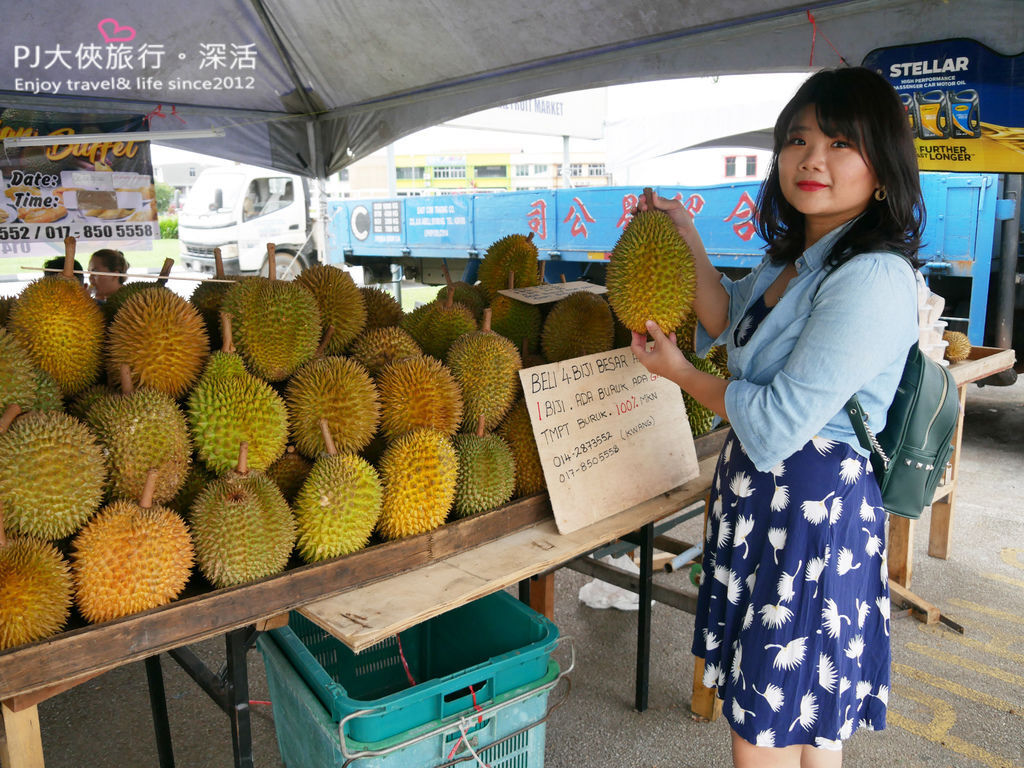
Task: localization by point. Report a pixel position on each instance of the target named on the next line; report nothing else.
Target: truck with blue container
(972, 223)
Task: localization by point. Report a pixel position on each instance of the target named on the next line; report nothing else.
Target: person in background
(792, 615)
(57, 263)
(106, 260)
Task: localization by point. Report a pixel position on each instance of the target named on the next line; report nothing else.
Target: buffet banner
(92, 191)
(964, 102)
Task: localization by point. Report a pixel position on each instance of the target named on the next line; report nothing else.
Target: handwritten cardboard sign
(610, 435)
(551, 292)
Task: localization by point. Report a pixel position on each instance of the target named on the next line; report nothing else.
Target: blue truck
(575, 229)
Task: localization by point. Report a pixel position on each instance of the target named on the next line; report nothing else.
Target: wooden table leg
(900, 549)
(940, 531)
(24, 742)
(542, 594)
(705, 702)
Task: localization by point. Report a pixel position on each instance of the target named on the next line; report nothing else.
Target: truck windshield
(214, 192)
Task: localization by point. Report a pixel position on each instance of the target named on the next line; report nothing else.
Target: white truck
(239, 209)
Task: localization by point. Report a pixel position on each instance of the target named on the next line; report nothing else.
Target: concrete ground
(957, 700)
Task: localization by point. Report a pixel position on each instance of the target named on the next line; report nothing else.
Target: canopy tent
(310, 86)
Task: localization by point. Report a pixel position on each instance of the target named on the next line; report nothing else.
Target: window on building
(523, 170)
(751, 165)
(576, 169)
(730, 166)
(449, 171)
(343, 174)
(540, 169)
(192, 171)
(407, 172)
(490, 171)
(596, 169)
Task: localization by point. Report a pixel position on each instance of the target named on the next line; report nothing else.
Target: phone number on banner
(43, 232)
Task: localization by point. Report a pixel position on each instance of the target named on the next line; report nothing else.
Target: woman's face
(103, 286)
(824, 177)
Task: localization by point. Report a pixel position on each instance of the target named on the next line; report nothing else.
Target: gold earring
(880, 194)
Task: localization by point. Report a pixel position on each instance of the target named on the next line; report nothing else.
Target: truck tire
(289, 265)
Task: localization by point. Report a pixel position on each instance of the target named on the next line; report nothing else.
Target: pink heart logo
(116, 33)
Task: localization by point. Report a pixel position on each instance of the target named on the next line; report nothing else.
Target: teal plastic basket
(473, 653)
(509, 734)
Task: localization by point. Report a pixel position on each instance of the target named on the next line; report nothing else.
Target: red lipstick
(810, 186)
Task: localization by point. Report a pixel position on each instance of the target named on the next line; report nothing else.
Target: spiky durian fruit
(52, 475)
(120, 297)
(580, 324)
(382, 309)
(242, 528)
(514, 254)
(340, 390)
(230, 406)
(35, 590)
(341, 303)
(686, 335)
(958, 347)
(418, 473)
(418, 392)
(623, 336)
(289, 472)
(161, 337)
(17, 374)
(140, 431)
(82, 403)
(517, 321)
(198, 477)
(720, 357)
(469, 296)
(651, 275)
(276, 325)
(338, 507)
(486, 365)
(129, 558)
(48, 396)
(517, 432)
(6, 304)
(439, 325)
(208, 297)
(487, 476)
(700, 417)
(61, 328)
(378, 347)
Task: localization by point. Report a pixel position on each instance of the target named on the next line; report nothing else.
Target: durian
(289, 472)
(340, 301)
(651, 275)
(958, 347)
(580, 324)
(515, 254)
(378, 347)
(440, 324)
(517, 432)
(340, 390)
(242, 527)
(338, 506)
(130, 557)
(207, 298)
(486, 477)
(701, 418)
(382, 309)
(60, 327)
(276, 323)
(17, 374)
(52, 473)
(486, 365)
(418, 392)
(418, 473)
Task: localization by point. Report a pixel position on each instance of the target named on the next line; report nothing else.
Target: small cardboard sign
(551, 292)
(609, 433)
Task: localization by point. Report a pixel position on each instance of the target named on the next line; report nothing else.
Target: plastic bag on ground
(599, 594)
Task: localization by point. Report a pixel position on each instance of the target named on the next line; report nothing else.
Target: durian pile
(159, 446)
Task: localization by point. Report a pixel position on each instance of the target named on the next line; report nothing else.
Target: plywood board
(982, 362)
(366, 616)
(609, 434)
(551, 292)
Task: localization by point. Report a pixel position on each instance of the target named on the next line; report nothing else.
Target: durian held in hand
(651, 275)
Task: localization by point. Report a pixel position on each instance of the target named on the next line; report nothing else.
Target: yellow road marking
(982, 669)
(1012, 557)
(1005, 579)
(959, 690)
(937, 731)
(996, 646)
(978, 608)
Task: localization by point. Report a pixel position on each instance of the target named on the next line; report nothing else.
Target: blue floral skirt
(793, 609)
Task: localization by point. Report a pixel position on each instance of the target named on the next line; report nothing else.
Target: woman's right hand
(681, 218)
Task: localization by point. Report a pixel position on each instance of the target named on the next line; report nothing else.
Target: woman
(793, 609)
(106, 260)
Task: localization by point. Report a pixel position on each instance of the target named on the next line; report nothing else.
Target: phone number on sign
(28, 232)
(587, 463)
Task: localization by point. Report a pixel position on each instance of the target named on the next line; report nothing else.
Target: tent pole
(318, 194)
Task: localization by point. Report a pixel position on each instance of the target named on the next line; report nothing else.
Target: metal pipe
(1008, 265)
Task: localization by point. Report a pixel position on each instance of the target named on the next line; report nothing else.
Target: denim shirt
(822, 342)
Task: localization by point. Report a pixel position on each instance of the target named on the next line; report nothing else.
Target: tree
(164, 196)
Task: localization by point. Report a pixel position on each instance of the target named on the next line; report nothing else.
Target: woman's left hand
(665, 358)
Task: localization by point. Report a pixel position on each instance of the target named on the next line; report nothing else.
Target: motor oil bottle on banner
(965, 114)
(910, 107)
(932, 114)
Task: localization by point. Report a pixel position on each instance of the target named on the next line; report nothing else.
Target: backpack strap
(859, 422)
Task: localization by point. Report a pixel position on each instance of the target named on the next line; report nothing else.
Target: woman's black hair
(113, 261)
(859, 105)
